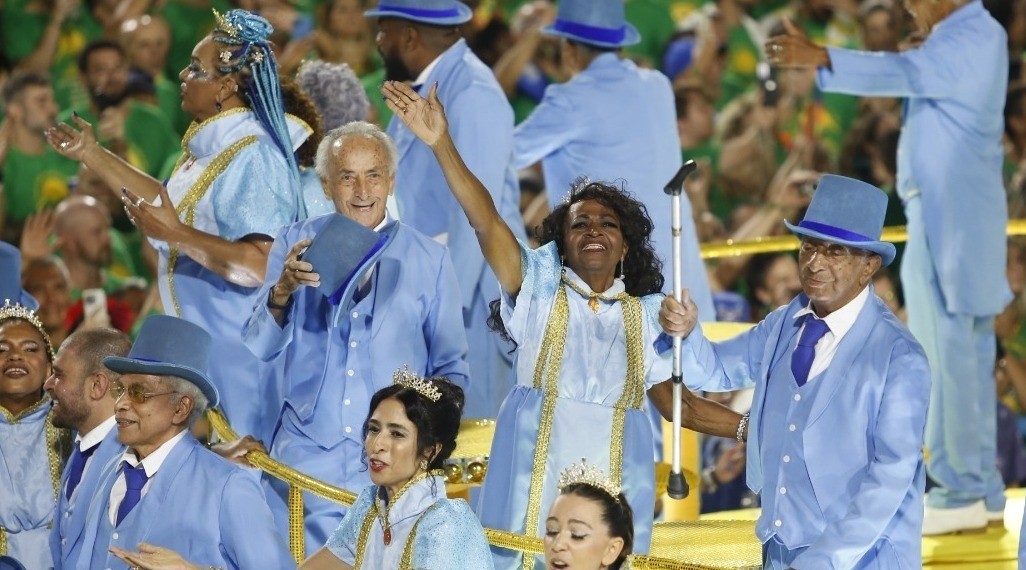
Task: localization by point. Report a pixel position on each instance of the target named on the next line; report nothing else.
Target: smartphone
(94, 301)
(767, 76)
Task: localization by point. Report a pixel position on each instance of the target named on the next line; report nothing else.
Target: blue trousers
(961, 426)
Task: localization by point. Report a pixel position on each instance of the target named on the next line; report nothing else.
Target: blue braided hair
(245, 36)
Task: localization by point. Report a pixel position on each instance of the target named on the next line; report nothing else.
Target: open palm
(424, 117)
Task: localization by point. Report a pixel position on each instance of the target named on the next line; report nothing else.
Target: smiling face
(592, 238)
(359, 179)
(391, 446)
(576, 538)
(145, 427)
(833, 274)
(66, 387)
(24, 365)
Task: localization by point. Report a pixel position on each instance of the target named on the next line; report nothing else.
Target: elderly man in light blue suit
(841, 393)
(612, 121)
(79, 388)
(953, 272)
(166, 489)
(401, 308)
(420, 42)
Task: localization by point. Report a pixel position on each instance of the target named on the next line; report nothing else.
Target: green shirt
(148, 134)
(190, 23)
(739, 71)
(169, 99)
(34, 182)
(655, 24)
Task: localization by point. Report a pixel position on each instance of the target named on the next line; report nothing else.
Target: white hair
(183, 387)
(336, 92)
(337, 137)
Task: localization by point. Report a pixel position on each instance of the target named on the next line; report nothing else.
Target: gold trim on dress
(406, 562)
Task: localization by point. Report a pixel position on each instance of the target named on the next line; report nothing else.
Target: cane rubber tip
(677, 486)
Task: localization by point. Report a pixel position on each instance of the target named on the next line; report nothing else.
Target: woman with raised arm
(582, 310)
(214, 220)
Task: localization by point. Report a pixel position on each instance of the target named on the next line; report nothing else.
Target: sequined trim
(195, 127)
(386, 509)
(192, 198)
(15, 418)
(3, 541)
(634, 385)
(406, 562)
(365, 530)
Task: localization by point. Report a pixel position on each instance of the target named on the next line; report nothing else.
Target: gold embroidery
(365, 530)
(634, 385)
(3, 541)
(406, 562)
(195, 126)
(192, 198)
(384, 509)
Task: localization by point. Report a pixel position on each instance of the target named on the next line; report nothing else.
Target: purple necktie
(135, 479)
(76, 465)
(805, 352)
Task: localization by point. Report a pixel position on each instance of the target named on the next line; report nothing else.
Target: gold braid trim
(634, 385)
(550, 359)
(3, 541)
(365, 530)
(406, 562)
(55, 440)
(187, 207)
(297, 538)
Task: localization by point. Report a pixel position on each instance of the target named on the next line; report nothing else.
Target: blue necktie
(76, 465)
(805, 352)
(135, 479)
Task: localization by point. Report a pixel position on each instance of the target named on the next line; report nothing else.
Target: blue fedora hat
(596, 22)
(8, 563)
(169, 346)
(10, 278)
(849, 212)
(434, 12)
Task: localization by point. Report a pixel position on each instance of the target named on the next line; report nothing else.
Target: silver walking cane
(677, 487)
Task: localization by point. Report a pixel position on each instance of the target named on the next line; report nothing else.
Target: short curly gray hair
(336, 137)
(335, 91)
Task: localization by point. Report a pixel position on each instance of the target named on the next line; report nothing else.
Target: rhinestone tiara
(411, 380)
(18, 311)
(224, 26)
(589, 475)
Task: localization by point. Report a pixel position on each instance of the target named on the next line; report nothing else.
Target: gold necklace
(383, 508)
(593, 297)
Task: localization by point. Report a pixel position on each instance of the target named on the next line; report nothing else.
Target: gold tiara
(224, 26)
(411, 380)
(588, 475)
(18, 311)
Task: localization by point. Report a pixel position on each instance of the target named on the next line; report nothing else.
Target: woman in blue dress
(582, 309)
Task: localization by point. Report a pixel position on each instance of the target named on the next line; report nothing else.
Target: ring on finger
(64, 144)
(138, 202)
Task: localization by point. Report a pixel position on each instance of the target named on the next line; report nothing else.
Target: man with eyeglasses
(841, 392)
(79, 388)
(166, 489)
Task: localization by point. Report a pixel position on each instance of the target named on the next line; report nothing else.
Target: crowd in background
(760, 136)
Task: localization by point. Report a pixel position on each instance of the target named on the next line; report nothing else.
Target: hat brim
(884, 249)
(125, 365)
(631, 37)
(464, 14)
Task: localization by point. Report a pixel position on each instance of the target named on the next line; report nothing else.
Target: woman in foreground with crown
(234, 186)
(590, 524)
(32, 450)
(582, 310)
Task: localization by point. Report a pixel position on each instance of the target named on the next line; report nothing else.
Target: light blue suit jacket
(481, 125)
(614, 122)
(198, 504)
(863, 442)
(950, 148)
(416, 321)
(70, 521)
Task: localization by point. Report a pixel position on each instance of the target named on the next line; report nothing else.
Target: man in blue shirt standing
(612, 122)
(953, 273)
(420, 42)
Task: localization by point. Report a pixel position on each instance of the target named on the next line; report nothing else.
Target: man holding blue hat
(10, 279)
(167, 489)
(420, 42)
(612, 121)
(841, 392)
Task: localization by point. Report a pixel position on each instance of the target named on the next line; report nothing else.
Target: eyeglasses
(829, 250)
(135, 392)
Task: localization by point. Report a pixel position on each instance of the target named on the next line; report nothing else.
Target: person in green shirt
(137, 131)
(34, 176)
(128, 247)
(146, 41)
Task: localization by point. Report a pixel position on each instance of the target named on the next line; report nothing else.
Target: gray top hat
(10, 278)
(169, 346)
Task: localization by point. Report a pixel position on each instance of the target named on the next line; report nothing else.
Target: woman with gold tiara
(404, 520)
(32, 450)
(214, 221)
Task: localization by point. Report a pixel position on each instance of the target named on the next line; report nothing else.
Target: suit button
(777, 523)
(351, 372)
(355, 314)
(787, 459)
(346, 402)
(349, 429)
(67, 515)
(352, 344)
(64, 541)
(792, 427)
(783, 490)
(114, 536)
(797, 397)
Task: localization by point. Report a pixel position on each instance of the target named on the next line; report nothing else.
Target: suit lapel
(110, 450)
(149, 508)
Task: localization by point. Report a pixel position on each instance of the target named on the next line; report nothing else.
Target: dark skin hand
(794, 49)
(697, 413)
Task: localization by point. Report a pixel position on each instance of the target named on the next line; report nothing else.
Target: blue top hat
(849, 212)
(434, 12)
(595, 22)
(169, 346)
(10, 278)
(8, 563)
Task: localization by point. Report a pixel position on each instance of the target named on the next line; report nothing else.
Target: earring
(218, 104)
(622, 276)
(423, 465)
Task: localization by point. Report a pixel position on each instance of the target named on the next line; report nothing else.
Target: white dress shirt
(91, 440)
(839, 322)
(151, 464)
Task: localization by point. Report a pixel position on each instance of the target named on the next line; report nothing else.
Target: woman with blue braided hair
(213, 220)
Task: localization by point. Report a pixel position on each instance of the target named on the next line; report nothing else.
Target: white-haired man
(402, 307)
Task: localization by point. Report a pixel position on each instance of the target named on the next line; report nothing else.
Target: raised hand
(69, 142)
(156, 221)
(678, 319)
(294, 274)
(424, 117)
(37, 239)
(794, 49)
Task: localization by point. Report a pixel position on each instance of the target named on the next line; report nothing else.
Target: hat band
(594, 33)
(833, 231)
(419, 12)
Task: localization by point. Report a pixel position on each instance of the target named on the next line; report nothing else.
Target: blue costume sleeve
(897, 445)
(658, 361)
(444, 334)
(342, 542)
(261, 333)
(254, 195)
(540, 270)
(450, 536)
(546, 130)
(729, 365)
(249, 537)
